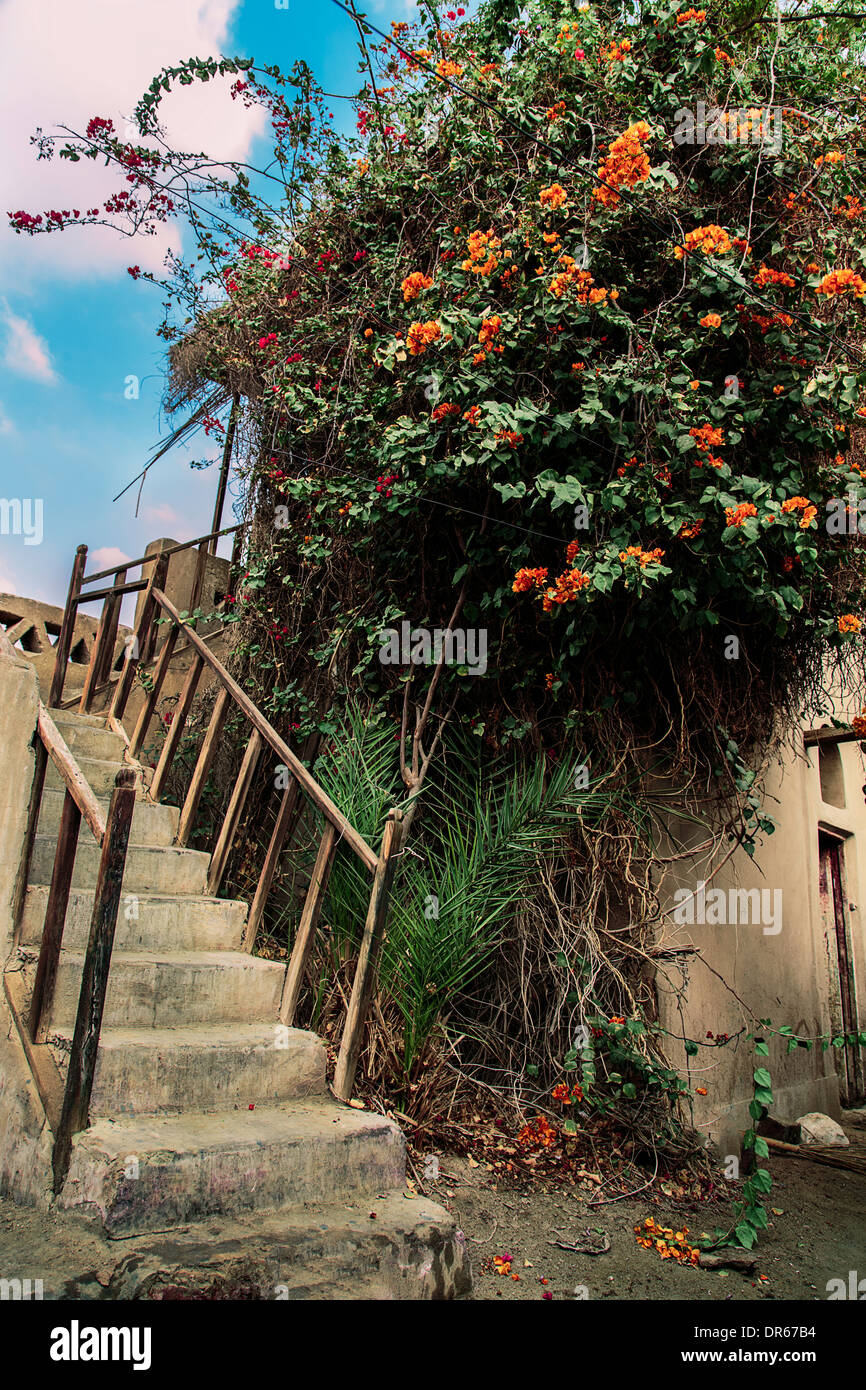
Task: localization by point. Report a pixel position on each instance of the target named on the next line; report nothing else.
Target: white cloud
(62, 63)
(26, 352)
(7, 584)
(6, 425)
(106, 557)
(161, 512)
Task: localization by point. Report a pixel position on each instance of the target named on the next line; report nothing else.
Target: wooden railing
(157, 608)
(102, 653)
(67, 1104)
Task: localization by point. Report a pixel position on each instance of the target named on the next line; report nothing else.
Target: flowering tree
(563, 344)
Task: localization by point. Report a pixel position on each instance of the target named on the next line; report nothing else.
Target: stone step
(151, 824)
(147, 990)
(88, 740)
(205, 1067)
(411, 1250)
(99, 774)
(149, 868)
(71, 716)
(152, 1173)
(146, 922)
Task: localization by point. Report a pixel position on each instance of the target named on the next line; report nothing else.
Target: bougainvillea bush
(554, 332)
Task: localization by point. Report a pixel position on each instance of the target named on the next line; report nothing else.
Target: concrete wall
(778, 969)
(25, 1140)
(31, 626)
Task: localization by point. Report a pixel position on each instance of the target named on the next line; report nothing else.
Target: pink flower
(579, 54)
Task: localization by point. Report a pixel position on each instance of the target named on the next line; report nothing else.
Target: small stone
(816, 1128)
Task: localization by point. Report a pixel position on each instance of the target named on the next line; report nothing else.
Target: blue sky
(73, 325)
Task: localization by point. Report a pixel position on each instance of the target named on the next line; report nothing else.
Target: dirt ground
(817, 1232)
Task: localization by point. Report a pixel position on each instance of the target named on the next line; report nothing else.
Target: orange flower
(571, 550)
(689, 530)
(616, 52)
(445, 68)
(626, 164)
(797, 504)
(481, 259)
(440, 412)
(566, 588)
(553, 197)
(848, 623)
(414, 284)
(842, 282)
(858, 724)
(712, 240)
(644, 558)
(473, 414)
(735, 516)
(688, 15)
(421, 335)
(539, 1133)
(526, 579)
(509, 437)
(765, 276)
(710, 321)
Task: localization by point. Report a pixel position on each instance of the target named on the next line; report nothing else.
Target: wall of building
(778, 963)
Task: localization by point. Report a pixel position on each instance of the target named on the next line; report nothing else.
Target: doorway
(832, 890)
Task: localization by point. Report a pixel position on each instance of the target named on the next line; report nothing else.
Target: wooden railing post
(40, 765)
(176, 728)
(201, 772)
(237, 801)
(55, 918)
(94, 980)
(365, 972)
(99, 667)
(297, 967)
(67, 629)
(139, 733)
(140, 641)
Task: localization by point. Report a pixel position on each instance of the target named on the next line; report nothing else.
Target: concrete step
(206, 1067)
(99, 774)
(95, 721)
(149, 868)
(146, 922)
(151, 825)
(411, 1250)
(88, 740)
(147, 990)
(151, 1173)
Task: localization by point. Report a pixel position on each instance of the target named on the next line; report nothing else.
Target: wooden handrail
(76, 783)
(134, 586)
(81, 1068)
(316, 794)
(64, 641)
(170, 550)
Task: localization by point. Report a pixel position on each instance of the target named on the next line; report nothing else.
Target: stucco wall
(775, 969)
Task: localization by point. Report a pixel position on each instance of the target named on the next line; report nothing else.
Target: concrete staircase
(204, 1106)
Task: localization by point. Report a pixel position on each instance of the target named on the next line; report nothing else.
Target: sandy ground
(817, 1233)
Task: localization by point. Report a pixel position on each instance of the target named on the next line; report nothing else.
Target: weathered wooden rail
(157, 609)
(67, 1104)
